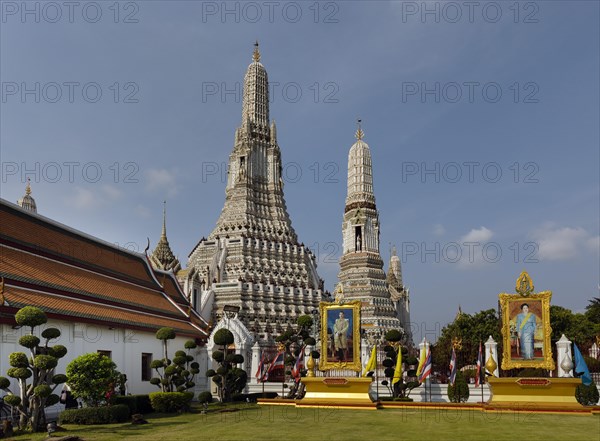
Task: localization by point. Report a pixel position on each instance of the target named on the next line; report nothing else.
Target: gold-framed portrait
(526, 331)
(340, 336)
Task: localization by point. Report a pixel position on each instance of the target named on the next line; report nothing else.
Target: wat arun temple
(252, 274)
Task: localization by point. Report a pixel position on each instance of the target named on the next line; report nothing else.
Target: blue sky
(483, 126)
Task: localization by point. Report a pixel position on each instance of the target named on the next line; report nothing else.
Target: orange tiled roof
(46, 236)
(60, 305)
(22, 266)
(70, 274)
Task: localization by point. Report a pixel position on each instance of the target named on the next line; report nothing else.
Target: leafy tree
(37, 393)
(230, 379)
(292, 342)
(577, 327)
(470, 329)
(175, 375)
(592, 311)
(91, 376)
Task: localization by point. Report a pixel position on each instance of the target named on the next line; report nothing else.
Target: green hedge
(136, 403)
(96, 415)
(169, 402)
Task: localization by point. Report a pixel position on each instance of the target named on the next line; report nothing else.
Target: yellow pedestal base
(534, 393)
(350, 392)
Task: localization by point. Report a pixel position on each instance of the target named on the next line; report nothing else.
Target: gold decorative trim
(525, 285)
(354, 364)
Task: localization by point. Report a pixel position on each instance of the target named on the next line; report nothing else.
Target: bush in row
(96, 415)
(587, 395)
(169, 402)
(136, 403)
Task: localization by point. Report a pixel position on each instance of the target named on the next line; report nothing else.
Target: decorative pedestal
(534, 393)
(350, 392)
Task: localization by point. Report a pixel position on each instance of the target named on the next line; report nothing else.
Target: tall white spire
(361, 268)
(255, 105)
(360, 171)
(361, 226)
(252, 258)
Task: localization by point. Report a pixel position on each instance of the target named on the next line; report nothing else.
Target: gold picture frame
(526, 327)
(340, 336)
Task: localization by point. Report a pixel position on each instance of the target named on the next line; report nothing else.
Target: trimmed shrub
(170, 402)
(587, 395)
(205, 397)
(96, 415)
(136, 403)
(459, 391)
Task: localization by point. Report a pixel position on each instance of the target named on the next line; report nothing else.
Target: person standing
(340, 336)
(526, 327)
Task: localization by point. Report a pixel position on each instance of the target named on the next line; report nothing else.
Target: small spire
(28, 187)
(164, 228)
(256, 54)
(359, 133)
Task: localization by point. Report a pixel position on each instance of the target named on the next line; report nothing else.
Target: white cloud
(474, 250)
(84, 199)
(593, 243)
(439, 230)
(478, 235)
(560, 243)
(112, 192)
(162, 181)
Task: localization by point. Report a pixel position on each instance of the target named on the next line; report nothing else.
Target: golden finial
(457, 343)
(28, 187)
(256, 54)
(524, 284)
(491, 365)
(359, 133)
(164, 227)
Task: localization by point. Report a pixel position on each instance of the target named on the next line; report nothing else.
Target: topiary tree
(175, 375)
(401, 389)
(459, 391)
(230, 379)
(91, 377)
(35, 394)
(292, 342)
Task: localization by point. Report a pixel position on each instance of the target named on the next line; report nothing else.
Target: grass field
(252, 422)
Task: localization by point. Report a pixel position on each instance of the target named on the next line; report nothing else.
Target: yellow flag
(398, 370)
(372, 363)
(421, 361)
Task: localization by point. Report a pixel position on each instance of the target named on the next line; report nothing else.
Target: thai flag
(261, 366)
(426, 367)
(299, 365)
(453, 367)
(479, 364)
(277, 361)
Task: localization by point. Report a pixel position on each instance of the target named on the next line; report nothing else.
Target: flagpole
(377, 370)
(481, 371)
(429, 378)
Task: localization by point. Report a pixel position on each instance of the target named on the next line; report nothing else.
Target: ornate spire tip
(256, 54)
(359, 132)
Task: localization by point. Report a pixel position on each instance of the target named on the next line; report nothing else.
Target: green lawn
(252, 422)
